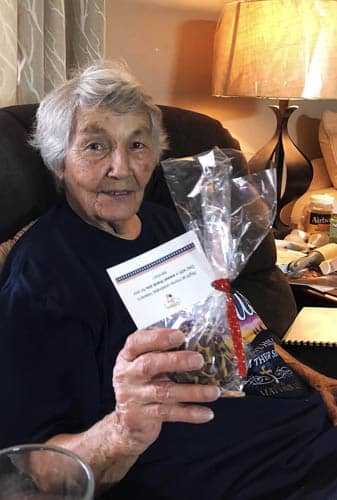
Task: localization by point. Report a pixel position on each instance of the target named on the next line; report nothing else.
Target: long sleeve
(49, 381)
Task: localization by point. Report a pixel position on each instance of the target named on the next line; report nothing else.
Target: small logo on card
(171, 301)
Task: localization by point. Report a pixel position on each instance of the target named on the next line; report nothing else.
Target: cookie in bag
(217, 352)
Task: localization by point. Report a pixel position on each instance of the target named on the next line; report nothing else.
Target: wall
(168, 45)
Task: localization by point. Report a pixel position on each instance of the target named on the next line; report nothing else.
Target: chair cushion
(328, 143)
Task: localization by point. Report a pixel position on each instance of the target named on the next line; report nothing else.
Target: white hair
(104, 84)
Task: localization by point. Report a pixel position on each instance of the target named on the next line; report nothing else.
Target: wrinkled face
(109, 162)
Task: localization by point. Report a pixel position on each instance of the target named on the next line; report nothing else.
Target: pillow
(6, 246)
(320, 176)
(328, 142)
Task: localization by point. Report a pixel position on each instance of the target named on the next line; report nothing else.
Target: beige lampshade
(277, 48)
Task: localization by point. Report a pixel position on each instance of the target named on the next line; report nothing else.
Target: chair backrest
(27, 187)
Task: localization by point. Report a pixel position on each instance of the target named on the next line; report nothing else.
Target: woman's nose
(118, 163)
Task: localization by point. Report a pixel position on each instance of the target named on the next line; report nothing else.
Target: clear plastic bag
(231, 212)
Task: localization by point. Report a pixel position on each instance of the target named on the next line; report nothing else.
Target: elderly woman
(74, 374)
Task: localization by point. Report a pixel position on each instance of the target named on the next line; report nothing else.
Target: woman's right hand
(146, 397)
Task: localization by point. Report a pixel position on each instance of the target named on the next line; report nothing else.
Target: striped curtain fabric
(42, 41)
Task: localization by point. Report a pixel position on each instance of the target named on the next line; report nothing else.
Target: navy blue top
(62, 326)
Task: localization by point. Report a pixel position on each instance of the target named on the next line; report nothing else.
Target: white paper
(313, 325)
(164, 280)
(285, 256)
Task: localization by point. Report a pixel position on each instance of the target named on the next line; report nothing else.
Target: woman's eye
(137, 145)
(95, 146)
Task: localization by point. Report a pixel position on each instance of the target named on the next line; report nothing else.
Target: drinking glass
(36, 471)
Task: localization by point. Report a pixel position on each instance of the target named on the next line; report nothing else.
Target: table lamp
(283, 49)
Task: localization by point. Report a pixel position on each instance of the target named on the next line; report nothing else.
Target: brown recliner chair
(28, 191)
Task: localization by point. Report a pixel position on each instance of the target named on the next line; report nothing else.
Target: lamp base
(293, 169)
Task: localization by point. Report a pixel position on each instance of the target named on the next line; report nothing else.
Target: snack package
(231, 212)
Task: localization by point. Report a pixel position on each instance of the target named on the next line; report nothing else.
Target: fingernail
(212, 392)
(210, 415)
(195, 361)
(176, 337)
(204, 414)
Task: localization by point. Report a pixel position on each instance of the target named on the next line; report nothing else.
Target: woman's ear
(59, 180)
(60, 174)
